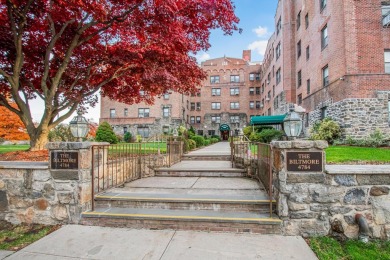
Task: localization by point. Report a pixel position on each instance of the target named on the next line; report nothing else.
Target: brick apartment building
(332, 58)
(222, 103)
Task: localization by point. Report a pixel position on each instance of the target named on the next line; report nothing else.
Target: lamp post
(79, 126)
(292, 124)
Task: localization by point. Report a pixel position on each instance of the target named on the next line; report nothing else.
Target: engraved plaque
(64, 160)
(304, 161)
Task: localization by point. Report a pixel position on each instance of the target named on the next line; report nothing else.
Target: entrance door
(225, 135)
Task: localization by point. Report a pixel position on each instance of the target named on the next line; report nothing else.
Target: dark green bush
(192, 144)
(127, 137)
(199, 140)
(186, 145)
(216, 137)
(105, 133)
(207, 142)
(214, 140)
(266, 135)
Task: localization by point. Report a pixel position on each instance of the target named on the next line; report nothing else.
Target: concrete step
(171, 172)
(190, 157)
(183, 220)
(215, 202)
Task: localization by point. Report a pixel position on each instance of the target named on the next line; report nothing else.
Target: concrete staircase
(192, 195)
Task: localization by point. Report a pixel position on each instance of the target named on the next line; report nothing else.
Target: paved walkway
(82, 242)
(220, 148)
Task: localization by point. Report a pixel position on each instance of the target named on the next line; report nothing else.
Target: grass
(13, 148)
(327, 248)
(17, 237)
(138, 148)
(343, 154)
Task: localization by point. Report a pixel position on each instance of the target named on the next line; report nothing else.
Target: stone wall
(322, 203)
(358, 117)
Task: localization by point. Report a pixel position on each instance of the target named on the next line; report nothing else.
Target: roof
(267, 120)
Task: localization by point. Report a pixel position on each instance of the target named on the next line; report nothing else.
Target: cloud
(261, 32)
(202, 57)
(258, 46)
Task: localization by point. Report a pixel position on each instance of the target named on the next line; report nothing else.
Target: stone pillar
(297, 188)
(70, 165)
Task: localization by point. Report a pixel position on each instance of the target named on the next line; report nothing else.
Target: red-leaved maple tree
(64, 52)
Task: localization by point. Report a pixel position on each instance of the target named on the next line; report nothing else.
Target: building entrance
(225, 129)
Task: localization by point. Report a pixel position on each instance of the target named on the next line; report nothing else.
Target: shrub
(214, 140)
(327, 129)
(191, 132)
(186, 145)
(207, 142)
(127, 137)
(192, 144)
(61, 133)
(105, 133)
(138, 138)
(375, 139)
(199, 140)
(247, 131)
(266, 135)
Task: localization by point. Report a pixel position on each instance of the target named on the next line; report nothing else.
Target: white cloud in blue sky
(258, 46)
(261, 32)
(200, 57)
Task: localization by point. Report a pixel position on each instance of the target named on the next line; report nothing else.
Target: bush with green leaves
(61, 133)
(214, 140)
(207, 142)
(199, 140)
(216, 137)
(186, 145)
(127, 137)
(266, 135)
(374, 139)
(326, 129)
(192, 144)
(105, 133)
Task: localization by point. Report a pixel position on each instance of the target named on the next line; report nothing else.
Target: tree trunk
(39, 140)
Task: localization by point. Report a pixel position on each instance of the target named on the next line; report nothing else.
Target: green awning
(267, 120)
(224, 127)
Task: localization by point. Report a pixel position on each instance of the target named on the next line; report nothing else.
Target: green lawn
(12, 148)
(138, 148)
(328, 248)
(343, 154)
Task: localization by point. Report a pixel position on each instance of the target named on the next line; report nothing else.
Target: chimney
(246, 55)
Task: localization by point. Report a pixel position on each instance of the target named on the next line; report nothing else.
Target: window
(143, 131)
(216, 119)
(214, 79)
(299, 47)
(269, 78)
(234, 91)
(269, 94)
(166, 96)
(211, 132)
(251, 91)
(198, 93)
(307, 52)
(234, 119)
(276, 102)
(262, 88)
(166, 112)
(324, 37)
(215, 91)
(258, 91)
(192, 120)
(387, 61)
(216, 105)
(112, 113)
(299, 20)
(200, 132)
(124, 129)
(251, 76)
(322, 4)
(125, 112)
(273, 90)
(198, 105)
(325, 76)
(278, 76)
(198, 119)
(278, 50)
(234, 105)
(279, 26)
(192, 106)
(324, 113)
(234, 78)
(258, 104)
(307, 20)
(166, 129)
(269, 112)
(257, 76)
(143, 112)
(308, 86)
(299, 99)
(299, 78)
(251, 104)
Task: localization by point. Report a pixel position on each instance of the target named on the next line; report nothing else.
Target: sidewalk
(83, 242)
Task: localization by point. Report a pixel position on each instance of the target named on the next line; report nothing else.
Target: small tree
(105, 133)
(127, 137)
(327, 129)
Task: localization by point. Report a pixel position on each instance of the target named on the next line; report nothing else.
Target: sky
(257, 23)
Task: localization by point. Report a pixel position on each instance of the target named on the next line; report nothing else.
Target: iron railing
(257, 156)
(115, 165)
